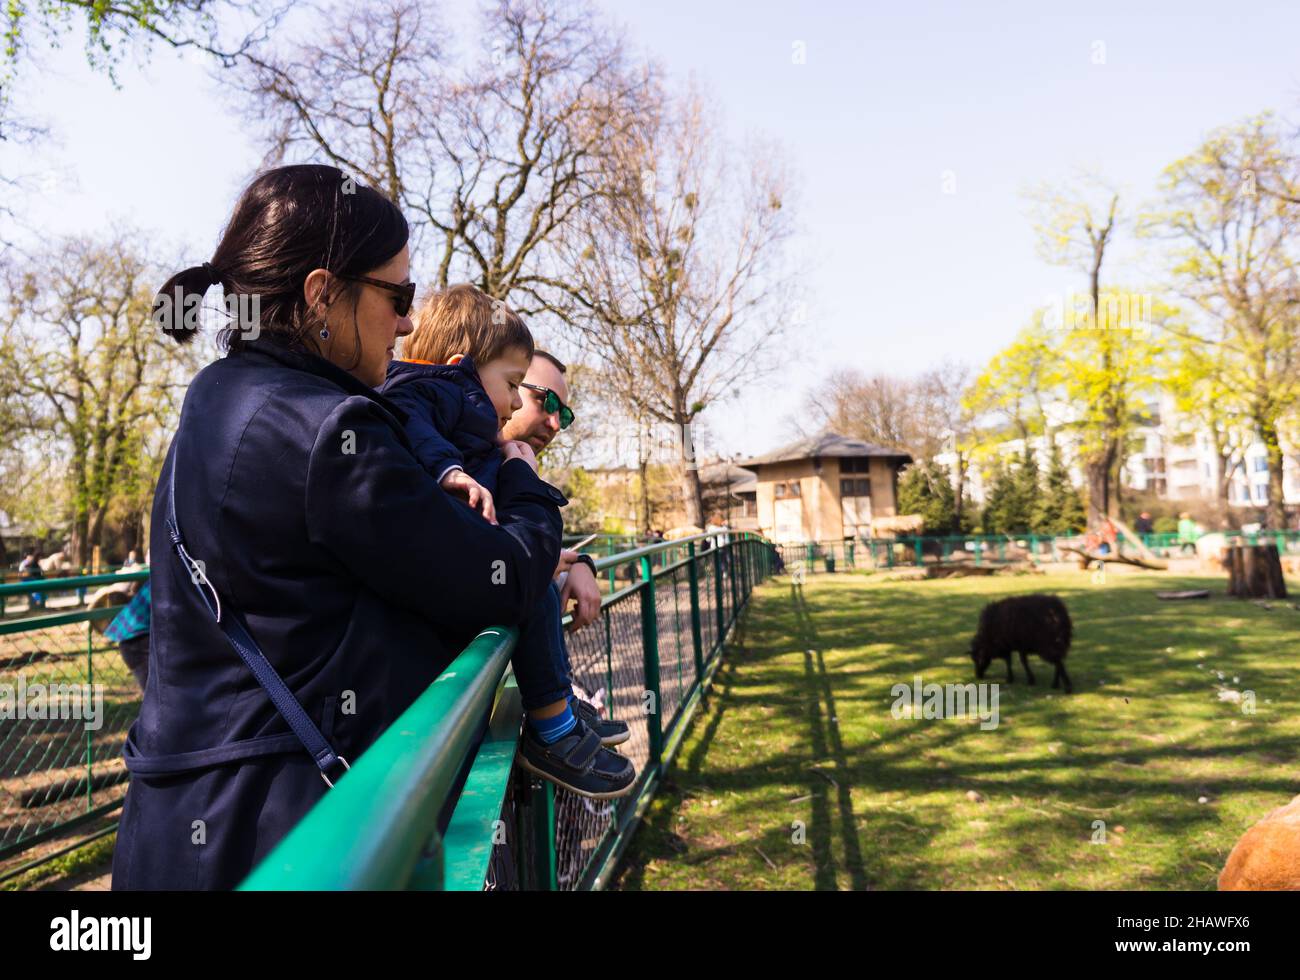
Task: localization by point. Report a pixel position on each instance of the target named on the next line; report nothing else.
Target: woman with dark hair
(295, 611)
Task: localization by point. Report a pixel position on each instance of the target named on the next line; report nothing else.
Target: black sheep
(1028, 624)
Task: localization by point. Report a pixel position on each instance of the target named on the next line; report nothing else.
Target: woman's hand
(514, 449)
(460, 484)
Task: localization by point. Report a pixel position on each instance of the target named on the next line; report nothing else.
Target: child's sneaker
(611, 732)
(579, 763)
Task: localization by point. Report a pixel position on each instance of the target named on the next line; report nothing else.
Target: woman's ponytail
(177, 308)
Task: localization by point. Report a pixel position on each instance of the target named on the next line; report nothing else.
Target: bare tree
(680, 282)
(946, 424)
(489, 158)
(876, 408)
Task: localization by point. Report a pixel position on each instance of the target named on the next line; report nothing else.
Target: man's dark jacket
(357, 576)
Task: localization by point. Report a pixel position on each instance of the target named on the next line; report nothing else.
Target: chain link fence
(66, 702)
(647, 668)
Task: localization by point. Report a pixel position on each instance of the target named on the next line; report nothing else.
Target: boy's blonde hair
(465, 320)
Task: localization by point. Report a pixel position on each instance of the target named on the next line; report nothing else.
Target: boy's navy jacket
(450, 418)
(358, 578)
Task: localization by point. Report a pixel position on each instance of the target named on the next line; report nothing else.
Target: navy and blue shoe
(611, 732)
(578, 763)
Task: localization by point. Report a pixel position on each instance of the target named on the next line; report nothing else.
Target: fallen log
(1155, 566)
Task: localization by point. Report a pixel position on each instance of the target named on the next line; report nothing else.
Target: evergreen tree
(993, 520)
(1027, 494)
(926, 489)
(1060, 507)
(1012, 496)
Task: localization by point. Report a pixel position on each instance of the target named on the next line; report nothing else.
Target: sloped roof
(828, 445)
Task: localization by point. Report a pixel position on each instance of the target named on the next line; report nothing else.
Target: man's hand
(460, 484)
(581, 587)
(567, 558)
(514, 449)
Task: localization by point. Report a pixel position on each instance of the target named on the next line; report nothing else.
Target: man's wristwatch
(588, 561)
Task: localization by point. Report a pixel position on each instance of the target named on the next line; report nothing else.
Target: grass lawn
(798, 776)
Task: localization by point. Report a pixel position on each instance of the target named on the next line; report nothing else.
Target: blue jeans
(541, 659)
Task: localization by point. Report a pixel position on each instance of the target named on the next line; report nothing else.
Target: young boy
(459, 383)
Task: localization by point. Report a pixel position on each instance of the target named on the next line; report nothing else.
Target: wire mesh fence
(647, 667)
(66, 702)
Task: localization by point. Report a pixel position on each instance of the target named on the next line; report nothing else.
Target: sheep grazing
(1267, 858)
(1026, 624)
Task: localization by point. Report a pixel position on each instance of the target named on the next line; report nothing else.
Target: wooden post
(1255, 571)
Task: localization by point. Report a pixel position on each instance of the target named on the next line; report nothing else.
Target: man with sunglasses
(544, 413)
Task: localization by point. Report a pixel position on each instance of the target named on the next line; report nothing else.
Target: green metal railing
(57, 774)
(653, 651)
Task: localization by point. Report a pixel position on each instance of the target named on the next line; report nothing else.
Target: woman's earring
(325, 332)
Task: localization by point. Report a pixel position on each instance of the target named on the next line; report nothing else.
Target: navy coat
(450, 418)
(359, 578)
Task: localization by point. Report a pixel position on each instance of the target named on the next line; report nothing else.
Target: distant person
(29, 570)
(130, 631)
(1187, 532)
(1143, 524)
(1109, 537)
(132, 562)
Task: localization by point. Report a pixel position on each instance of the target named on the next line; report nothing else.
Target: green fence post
(717, 588)
(609, 659)
(90, 747)
(916, 546)
(650, 653)
(544, 835)
(696, 635)
(735, 586)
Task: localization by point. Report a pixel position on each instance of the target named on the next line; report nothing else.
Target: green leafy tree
(586, 506)
(93, 385)
(1232, 209)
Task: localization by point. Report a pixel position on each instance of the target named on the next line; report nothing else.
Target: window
(787, 489)
(1261, 464)
(1261, 493)
(855, 464)
(855, 488)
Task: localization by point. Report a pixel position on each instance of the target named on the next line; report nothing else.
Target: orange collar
(413, 360)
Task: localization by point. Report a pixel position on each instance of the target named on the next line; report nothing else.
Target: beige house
(825, 488)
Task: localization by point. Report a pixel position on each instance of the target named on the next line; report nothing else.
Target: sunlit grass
(795, 739)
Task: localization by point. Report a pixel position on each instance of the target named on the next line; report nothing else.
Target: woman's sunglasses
(552, 404)
(403, 292)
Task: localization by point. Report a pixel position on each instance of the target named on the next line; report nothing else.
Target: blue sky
(889, 98)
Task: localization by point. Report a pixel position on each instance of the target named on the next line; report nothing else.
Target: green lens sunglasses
(552, 404)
